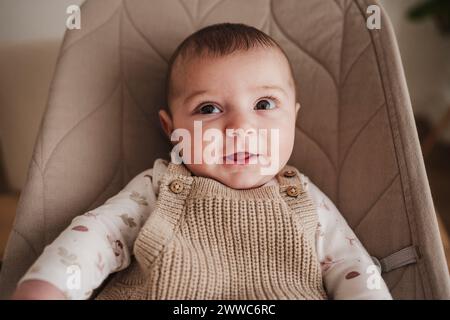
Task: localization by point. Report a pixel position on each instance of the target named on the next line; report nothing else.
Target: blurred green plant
(439, 10)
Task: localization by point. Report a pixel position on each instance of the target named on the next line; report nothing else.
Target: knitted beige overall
(205, 240)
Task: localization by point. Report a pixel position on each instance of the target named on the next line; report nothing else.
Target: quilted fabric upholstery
(356, 137)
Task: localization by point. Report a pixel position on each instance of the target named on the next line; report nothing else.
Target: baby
(214, 223)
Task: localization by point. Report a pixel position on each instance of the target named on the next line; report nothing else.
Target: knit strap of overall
(205, 240)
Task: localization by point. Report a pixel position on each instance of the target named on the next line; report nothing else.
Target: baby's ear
(166, 122)
(297, 107)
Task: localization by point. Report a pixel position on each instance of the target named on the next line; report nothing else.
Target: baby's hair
(219, 40)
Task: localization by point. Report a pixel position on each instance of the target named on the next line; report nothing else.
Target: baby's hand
(37, 290)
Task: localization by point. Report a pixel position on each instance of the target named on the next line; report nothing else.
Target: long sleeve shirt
(100, 242)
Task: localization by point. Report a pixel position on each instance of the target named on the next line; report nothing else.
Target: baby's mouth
(239, 158)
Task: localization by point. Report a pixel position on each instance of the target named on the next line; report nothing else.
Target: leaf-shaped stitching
(139, 32)
(300, 47)
(357, 135)
(369, 210)
(64, 50)
(319, 147)
(104, 103)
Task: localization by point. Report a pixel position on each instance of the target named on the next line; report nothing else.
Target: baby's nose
(240, 132)
(241, 122)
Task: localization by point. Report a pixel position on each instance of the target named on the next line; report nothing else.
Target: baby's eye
(265, 104)
(208, 108)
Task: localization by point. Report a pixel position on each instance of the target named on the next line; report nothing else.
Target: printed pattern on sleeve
(348, 270)
(99, 242)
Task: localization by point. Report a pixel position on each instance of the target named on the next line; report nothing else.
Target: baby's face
(250, 90)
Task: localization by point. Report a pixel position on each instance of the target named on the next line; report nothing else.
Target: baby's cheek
(286, 142)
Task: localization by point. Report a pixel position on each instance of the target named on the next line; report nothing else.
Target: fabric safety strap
(397, 259)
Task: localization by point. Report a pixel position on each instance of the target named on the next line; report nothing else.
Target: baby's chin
(238, 183)
(233, 176)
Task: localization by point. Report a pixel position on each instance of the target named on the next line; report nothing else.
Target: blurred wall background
(31, 33)
(426, 58)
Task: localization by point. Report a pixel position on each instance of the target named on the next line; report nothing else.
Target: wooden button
(176, 186)
(289, 173)
(293, 191)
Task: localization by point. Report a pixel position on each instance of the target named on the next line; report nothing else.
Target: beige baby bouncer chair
(355, 138)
